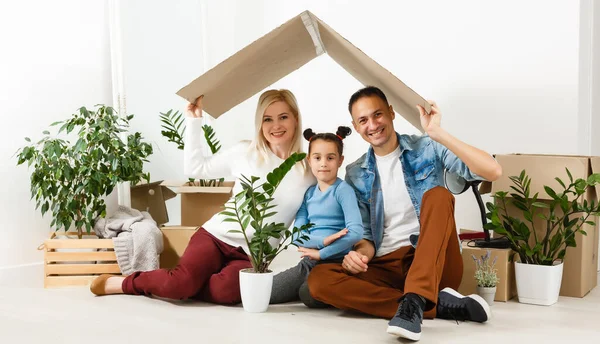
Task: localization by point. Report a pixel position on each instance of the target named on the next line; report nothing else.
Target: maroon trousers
(208, 271)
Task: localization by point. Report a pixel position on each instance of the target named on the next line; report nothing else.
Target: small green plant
(70, 180)
(564, 217)
(174, 132)
(251, 208)
(485, 273)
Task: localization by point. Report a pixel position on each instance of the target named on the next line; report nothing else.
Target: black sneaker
(454, 306)
(409, 316)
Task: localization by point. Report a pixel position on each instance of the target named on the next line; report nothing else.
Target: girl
(331, 206)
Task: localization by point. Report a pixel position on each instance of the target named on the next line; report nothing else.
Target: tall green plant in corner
(564, 217)
(174, 132)
(251, 208)
(70, 180)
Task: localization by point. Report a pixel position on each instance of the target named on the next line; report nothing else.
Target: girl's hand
(195, 109)
(310, 253)
(333, 237)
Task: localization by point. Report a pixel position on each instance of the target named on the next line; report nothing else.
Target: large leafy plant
(174, 132)
(251, 208)
(70, 180)
(563, 217)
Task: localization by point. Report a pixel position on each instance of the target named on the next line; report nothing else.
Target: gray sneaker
(454, 306)
(409, 316)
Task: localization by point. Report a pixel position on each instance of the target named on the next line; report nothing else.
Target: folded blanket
(137, 239)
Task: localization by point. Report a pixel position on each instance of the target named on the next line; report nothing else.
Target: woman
(209, 268)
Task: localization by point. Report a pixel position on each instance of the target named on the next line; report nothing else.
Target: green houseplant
(250, 209)
(172, 123)
(545, 246)
(566, 217)
(70, 180)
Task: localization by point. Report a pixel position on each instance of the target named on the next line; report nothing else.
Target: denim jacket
(423, 163)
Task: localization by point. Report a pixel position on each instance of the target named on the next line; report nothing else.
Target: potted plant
(250, 209)
(174, 132)
(486, 277)
(71, 180)
(542, 249)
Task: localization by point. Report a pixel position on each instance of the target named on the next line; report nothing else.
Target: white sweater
(237, 161)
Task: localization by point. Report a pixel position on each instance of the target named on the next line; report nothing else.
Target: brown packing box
(176, 239)
(200, 203)
(151, 198)
(506, 288)
(284, 50)
(581, 262)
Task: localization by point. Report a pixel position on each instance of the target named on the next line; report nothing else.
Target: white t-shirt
(399, 216)
(237, 161)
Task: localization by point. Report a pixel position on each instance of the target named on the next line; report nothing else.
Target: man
(410, 250)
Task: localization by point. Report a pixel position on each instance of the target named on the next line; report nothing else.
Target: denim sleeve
(452, 163)
(346, 197)
(365, 212)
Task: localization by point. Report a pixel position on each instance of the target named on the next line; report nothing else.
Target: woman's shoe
(99, 283)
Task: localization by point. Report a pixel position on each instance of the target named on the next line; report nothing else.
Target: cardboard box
(506, 288)
(200, 203)
(581, 262)
(176, 239)
(151, 198)
(282, 51)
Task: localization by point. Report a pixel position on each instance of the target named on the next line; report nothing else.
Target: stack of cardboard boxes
(198, 204)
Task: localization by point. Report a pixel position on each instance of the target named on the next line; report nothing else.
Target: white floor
(31, 313)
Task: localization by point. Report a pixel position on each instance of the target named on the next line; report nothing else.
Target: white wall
(505, 76)
(55, 58)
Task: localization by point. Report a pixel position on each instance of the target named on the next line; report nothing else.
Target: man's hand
(431, 122)
(355, 262)
(333, 237)
(310, 253)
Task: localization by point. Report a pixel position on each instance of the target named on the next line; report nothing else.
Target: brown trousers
(435, 264)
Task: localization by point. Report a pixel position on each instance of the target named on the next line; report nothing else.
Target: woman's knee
(180, 287)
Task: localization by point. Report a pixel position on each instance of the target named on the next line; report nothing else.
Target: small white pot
(487, 293)
(256, 290)
(538, 284)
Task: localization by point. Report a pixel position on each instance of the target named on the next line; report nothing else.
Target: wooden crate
(62, 269)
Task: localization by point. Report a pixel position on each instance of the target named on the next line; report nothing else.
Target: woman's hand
(333, 237)
(310, 253)
(195, 109)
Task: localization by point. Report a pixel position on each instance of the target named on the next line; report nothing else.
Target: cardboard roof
(282, 51)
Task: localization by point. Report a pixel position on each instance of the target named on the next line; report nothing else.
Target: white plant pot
(538, 284)
(256, 290)
(487, 293)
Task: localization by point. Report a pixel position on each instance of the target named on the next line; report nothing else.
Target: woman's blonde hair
(260, 143)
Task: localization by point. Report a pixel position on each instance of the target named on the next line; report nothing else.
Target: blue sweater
(331, 211)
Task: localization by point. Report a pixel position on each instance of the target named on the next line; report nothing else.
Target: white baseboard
(29, 275)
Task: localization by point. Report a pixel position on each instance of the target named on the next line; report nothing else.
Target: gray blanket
(137, 239)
